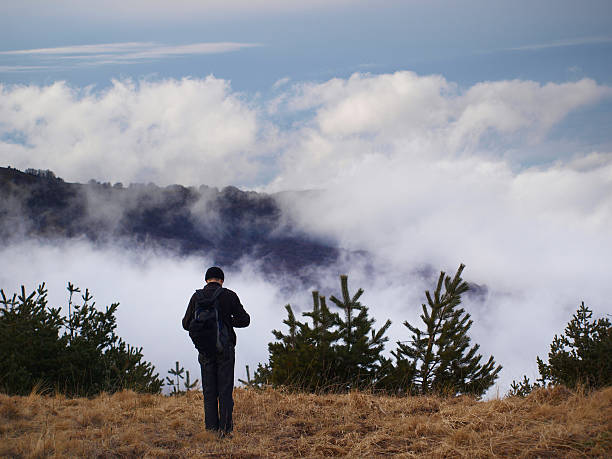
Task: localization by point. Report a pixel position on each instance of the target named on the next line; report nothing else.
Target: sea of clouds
(418, 172)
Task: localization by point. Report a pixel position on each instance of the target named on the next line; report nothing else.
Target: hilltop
(272, 423)
(225, 224)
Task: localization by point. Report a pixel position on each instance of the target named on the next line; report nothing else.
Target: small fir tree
(97, 359)
(80, 355)
(359, 355)
(188, 384)
(178, 375)
(324, 338)
(262, 376)
(71, 291)
(303, 358)
(286, 352)
(521, 388)
(31, 345)
(332, 354)
(439, 358)
(249, 382)
(583, 355)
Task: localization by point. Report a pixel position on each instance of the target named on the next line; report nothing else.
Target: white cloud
(398, 104)
(281, 82)
(563, 43)
(187, 131)
(193, 48)
(403, 115)
(114, 53)
(84, 49)
(199, 131)
(520, 106)
(21, 68)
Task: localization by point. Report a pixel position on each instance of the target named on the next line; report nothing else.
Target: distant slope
(226, 225)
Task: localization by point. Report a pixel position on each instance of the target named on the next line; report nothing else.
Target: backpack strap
(216, 294)
(213, 299)
(216, 303)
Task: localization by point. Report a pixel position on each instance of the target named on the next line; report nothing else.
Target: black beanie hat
(214, 273)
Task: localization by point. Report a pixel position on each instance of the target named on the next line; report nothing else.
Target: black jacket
(231, 310)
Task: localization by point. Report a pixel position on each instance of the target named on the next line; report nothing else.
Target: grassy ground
(271, 423)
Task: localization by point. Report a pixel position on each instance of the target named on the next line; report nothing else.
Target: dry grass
(272, 423)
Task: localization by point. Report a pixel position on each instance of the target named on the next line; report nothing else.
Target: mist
(154, 287)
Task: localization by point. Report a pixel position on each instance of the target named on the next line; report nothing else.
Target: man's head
(214, 274)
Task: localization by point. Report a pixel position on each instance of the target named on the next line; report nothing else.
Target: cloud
(22, 68)
(113, 53)
(197, 131)
(281, 82)
(84, 49)
(187, 131)
(416, 171)
(406, 115)
(563, 43)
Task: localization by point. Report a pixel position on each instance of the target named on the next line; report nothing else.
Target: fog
(414, 175)
(153, 288)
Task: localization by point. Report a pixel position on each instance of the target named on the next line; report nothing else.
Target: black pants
(217, 386)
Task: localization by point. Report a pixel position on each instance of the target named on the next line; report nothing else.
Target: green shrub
(79, 355)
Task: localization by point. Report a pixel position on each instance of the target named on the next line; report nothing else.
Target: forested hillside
(225, 224)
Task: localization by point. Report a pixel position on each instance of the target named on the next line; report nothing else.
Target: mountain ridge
(225, 225)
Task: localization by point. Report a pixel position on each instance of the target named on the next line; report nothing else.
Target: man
(218, 370)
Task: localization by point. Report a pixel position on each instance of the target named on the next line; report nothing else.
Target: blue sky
(441, 132)
(467, 41)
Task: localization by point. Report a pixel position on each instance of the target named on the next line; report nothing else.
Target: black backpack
(207, 330)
